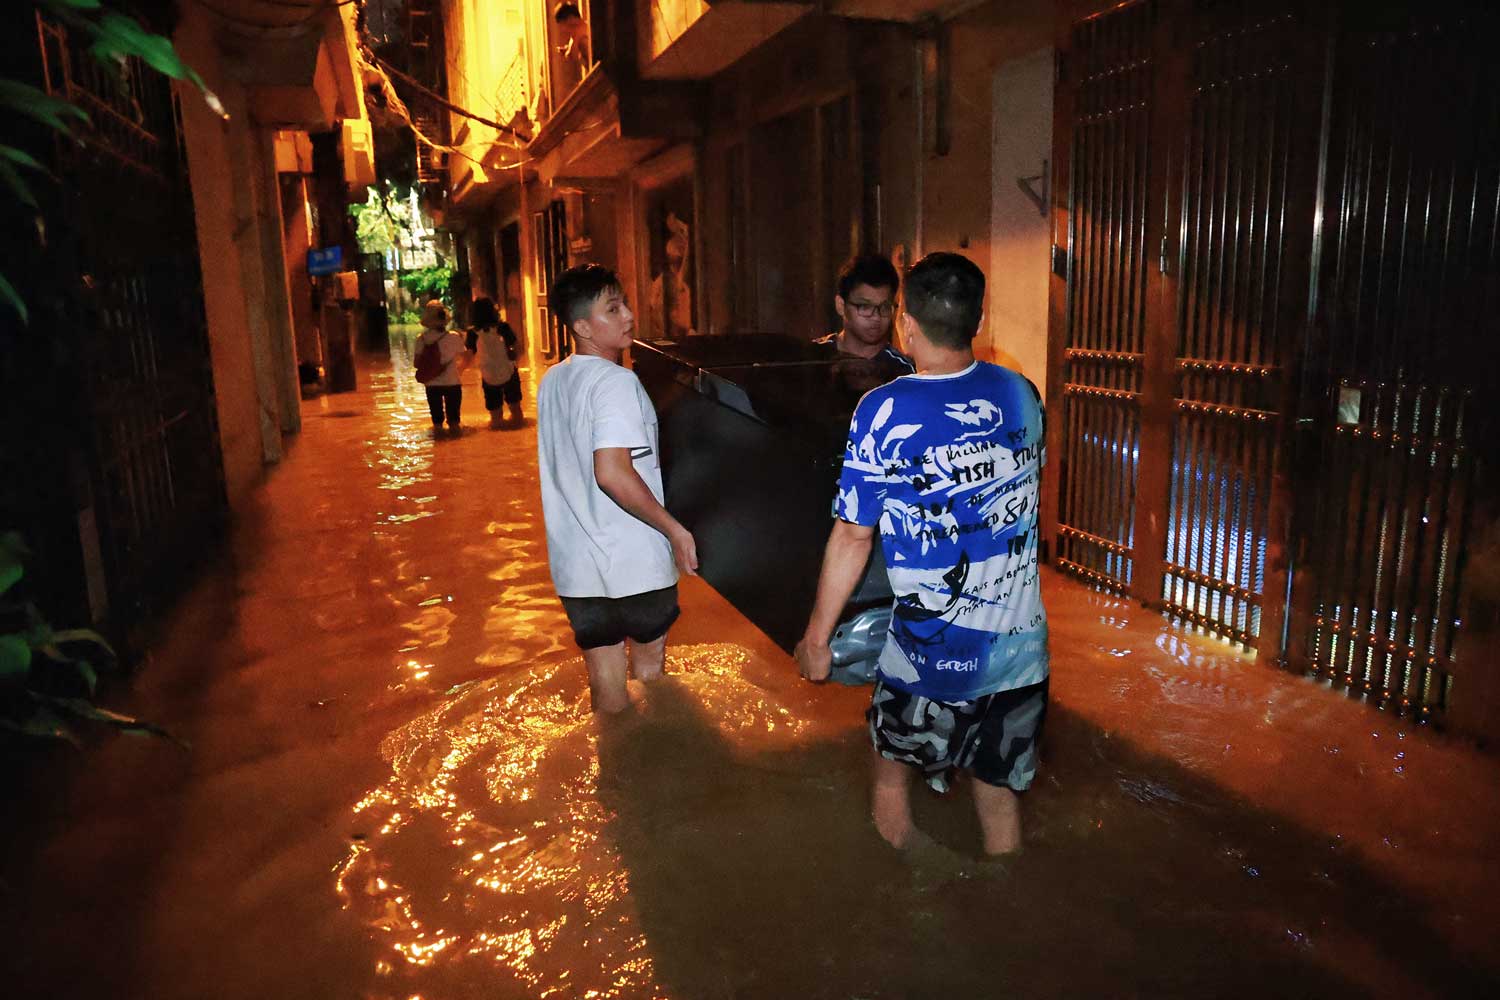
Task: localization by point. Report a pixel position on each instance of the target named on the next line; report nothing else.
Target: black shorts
(606, 621)
(496, 395)
(995, 736)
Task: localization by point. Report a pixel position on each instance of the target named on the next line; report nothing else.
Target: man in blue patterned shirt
(947, 465)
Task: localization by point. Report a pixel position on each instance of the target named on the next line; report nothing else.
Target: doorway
(510, 294)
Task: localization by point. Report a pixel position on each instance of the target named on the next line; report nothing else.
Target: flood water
(396, 791)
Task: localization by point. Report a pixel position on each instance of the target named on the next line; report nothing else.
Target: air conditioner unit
(293, 153)
(359, 153)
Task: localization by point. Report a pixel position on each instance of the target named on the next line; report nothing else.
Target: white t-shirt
(495, 366)
(594, 546)
(451, 345)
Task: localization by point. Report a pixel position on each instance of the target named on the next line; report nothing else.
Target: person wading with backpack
(441, 359)
(494, 344)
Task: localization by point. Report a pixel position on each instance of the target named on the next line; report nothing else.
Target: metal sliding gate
(129, 319)
(1401, 383)
(1235, 269)
(1277, 265)
(1105, 106)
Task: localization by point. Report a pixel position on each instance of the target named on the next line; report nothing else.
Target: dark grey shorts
(994, 736)
(496, 396)
(606, 621)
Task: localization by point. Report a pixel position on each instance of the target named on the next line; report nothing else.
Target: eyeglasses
(869, 310)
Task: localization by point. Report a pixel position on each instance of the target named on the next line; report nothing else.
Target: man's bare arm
(616, 475)
(844, 561)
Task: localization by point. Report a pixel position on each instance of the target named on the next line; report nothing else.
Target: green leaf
(156, 733)
(89, 675)
(41, 723)
(8, 293)
(83, 635)
(15, 660)
(124, 36)
(22, 157)
(37, 104)
(75, 4)
(39, 633)
(17, 184)
(84, 709)
(11, 569)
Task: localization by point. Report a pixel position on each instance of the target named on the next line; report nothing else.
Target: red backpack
(430, 361)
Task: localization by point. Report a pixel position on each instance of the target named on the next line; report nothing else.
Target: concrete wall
(659, 23)
(276, 355)
(914, 199)
(480, 39)
(210, 146)
(1020, 231)
(961, 189)
(890, 132)
(297, 239)
(910, 199)
(237, 208)
(755, 106)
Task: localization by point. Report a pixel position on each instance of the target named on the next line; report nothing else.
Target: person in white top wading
(440, 359)
(613, 549)
(494, 343)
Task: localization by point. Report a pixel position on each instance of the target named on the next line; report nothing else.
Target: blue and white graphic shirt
(949, 468)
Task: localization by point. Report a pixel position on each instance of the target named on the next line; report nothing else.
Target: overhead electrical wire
(304, 4)
(437, 98)
(386, 71)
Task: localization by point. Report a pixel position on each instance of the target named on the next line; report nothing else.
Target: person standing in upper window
(573, 50)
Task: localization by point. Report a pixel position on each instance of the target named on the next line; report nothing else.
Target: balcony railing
(512, 96)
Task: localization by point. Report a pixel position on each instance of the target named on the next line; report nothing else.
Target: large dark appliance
(753, 428)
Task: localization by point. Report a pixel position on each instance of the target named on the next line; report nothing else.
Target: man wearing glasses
(865, 301)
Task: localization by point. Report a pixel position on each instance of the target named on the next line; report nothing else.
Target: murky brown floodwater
(396, 791)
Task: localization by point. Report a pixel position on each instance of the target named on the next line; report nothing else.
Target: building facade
(168, 279)
(1148, 186)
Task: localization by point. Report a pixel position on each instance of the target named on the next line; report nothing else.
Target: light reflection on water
(402, 450)
(487, 844)
(710, 845)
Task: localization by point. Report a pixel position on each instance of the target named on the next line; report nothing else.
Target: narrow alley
(395, 789)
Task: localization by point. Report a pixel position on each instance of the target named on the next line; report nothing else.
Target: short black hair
(573, 294)
(944, 293)
(483, 313)
(868, 269)
(566, 11)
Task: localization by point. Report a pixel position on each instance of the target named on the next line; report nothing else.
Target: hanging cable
(398, 107)
(443, 101)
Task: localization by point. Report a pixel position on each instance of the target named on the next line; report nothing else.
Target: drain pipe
(919, 75)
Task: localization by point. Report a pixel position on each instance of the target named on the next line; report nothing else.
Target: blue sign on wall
(328, 261)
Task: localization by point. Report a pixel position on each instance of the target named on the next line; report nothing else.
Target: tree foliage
(381, 224)
(428, 282)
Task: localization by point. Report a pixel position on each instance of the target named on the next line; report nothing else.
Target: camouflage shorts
(994, 736)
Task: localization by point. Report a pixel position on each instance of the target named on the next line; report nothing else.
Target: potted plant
(49, 677)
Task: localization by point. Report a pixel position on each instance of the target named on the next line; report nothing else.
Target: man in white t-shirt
(613, 549)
